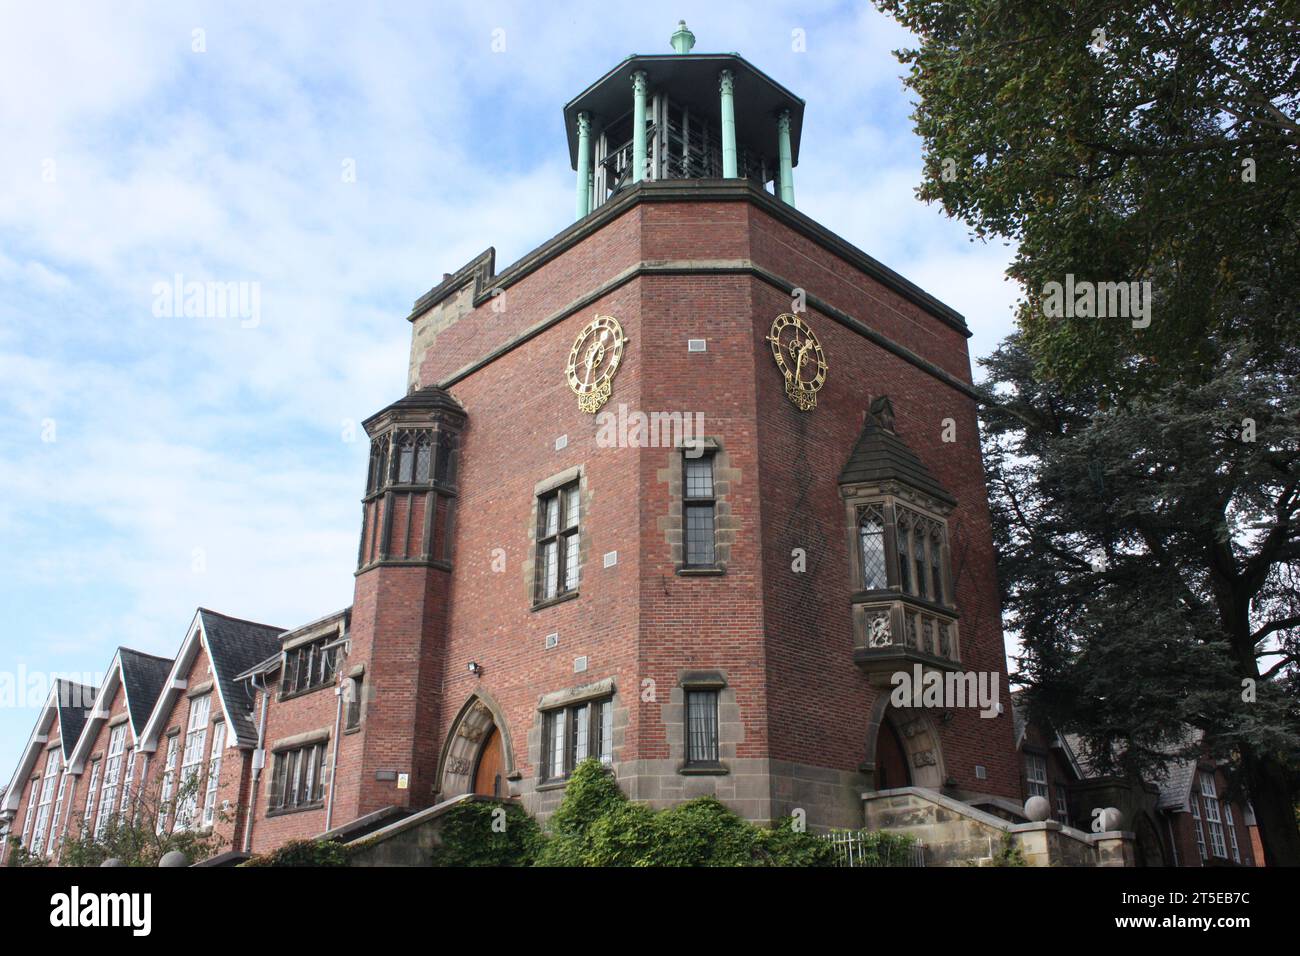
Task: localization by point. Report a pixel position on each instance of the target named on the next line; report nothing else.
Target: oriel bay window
(297, 778)
(572, 734)
(903, 550)
(558, 542)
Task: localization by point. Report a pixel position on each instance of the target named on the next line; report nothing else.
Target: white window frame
(196, 739)
(1036, 775)
(53, 765)
(168, 782)
(128, 798)
(1062, 805)
(1232, 833)
(1218, 845)
(108, 788)
(214, 772)
(57, 815)
(1196, 822)
(29, 818)
(92, 796)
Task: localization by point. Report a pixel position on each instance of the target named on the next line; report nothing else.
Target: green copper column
(787, 171)
(727, 85)
(584, 163)
(638, 126)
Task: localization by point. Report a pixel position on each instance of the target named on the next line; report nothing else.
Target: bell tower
(682, 115)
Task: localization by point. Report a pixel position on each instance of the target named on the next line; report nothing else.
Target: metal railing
(868, 848)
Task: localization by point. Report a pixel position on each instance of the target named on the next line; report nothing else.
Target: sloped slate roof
(880, 455)
(234, 646)
(74, 702)
(144, 676)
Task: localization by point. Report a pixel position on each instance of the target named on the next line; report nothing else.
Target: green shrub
(476, 833)
(303, 853)
(596, 825)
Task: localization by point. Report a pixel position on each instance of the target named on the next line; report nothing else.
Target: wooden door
(488, 776)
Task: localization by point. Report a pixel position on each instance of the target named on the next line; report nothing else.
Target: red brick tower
(399, 612)
(719, 480)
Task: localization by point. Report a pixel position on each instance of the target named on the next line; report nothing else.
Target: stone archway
(916, 733)
(479, 724)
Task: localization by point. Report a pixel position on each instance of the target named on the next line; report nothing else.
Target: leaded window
(558, 542)
(871, 541)
(572, 734)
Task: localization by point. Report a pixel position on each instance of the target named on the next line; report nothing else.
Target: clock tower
(720, 610)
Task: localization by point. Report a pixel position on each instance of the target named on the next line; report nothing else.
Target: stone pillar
(727, 85)
(787, 171)
(584, 164)
(638, 126)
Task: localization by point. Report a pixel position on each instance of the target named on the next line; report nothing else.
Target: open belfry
(680, 490)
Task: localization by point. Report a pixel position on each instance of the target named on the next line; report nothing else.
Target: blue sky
(152, 464)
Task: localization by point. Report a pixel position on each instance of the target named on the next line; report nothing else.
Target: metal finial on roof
(683, 39)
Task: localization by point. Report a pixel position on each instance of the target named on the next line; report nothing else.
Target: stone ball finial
(1105, 819)
(112, 861)
(1038, 809)
(173, 858)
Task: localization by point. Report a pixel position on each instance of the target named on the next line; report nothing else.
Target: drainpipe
(584, 163)
(638, 126)
(727, 84)
(334, 754)
(259, 761)
(787, 172)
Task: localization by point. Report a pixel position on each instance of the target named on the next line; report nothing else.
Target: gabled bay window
(900, 580)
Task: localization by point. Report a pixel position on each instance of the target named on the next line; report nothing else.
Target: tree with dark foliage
(1145, 477)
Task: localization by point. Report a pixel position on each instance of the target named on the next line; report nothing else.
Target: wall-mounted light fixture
(475, 668)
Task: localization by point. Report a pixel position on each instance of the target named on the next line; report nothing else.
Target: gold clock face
(800, 358)
(593, 360)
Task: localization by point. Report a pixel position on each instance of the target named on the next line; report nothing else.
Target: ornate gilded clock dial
(593, 360)
(800, 358)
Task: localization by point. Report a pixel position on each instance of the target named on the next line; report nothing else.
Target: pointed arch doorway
(903, 748)
(477, 756)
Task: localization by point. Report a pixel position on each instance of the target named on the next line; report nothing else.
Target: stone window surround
(730, 727)
(600, 690)
(559, 479)
(299, 742)
(673, 525)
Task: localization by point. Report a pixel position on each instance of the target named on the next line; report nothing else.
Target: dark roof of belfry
(234, 647)
(144, 676)
(880, 455)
